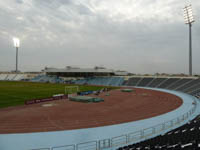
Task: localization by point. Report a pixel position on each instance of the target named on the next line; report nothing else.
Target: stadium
(146, 101)
(137, 112)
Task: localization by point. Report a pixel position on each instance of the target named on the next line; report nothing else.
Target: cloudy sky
(140, 36)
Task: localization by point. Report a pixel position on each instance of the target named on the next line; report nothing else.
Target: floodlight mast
(16, 44)
(189, 19)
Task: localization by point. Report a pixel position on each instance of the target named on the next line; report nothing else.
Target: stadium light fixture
(16, 44)
(189, 19)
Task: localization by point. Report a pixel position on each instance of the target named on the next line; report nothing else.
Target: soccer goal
(71, 89)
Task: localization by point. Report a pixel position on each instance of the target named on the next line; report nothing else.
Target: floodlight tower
(16, 44)
(189, 19)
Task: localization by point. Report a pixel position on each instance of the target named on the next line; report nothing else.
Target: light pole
(16, 44)
(189, 19)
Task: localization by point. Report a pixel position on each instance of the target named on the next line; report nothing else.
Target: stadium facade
(83, 72)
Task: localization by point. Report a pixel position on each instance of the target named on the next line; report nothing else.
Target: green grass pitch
(16, 93)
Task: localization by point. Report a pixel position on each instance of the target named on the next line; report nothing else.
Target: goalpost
(71, 89)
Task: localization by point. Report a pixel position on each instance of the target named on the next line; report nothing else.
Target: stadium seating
(197, 95)
(108, 81)
(178, 83)
(3, 76)
(133, 81)
(19, 77)
(168, 82)
(12, 77)
(195, 91)
(192, 88)
(187, 85)
(144, 81)
(156, 82)
(47, 79)
(185, 137)
(116, 81)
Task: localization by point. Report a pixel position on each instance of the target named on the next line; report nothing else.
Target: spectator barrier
(129, 138)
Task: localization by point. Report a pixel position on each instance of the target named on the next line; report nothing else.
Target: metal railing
(65, 147)
(42, 149)
(87, 146)
(127, 138)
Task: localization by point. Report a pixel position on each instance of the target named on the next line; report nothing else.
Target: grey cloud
(19, 1)
(83, 10)
(78, 36)
(66, 2)
(54, 4)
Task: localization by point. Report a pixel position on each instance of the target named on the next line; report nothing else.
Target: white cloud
(20, 18)
(128, 34)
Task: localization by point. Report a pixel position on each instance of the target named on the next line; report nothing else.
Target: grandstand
(156, 82)
(79, 72)
(47, 79)
(108, 81)
(19, 77)
(189, 85)
(16, 76)
(3, 76)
